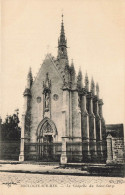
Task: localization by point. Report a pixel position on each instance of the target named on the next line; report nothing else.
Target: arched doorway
(46, 135)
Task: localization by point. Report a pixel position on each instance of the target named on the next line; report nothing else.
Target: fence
(9, 150)
(92, 151)
(85, 151)
(43, 151)
(75, 151)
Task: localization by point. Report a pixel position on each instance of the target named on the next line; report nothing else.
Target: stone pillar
(85, 128)
(70, 148)
(65, 113)
(24, 134)
(21, 156)
(70, 114)
(76, 126)
(101, 150)
(100, 103)
(76, 117)
(109, 150)
(63, 159)
(98, 126)
(92, 125)
(114, 156)
(85, 115)
(65, 124)
(100, 108)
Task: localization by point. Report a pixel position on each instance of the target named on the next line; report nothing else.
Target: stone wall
(9, 150)
(115, 143)
(118, 150)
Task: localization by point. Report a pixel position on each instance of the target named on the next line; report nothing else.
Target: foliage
(10, 129)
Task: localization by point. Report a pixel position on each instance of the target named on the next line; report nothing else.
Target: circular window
(55, 97)
(38, 99)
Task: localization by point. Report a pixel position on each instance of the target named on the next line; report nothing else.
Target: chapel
(62, 117)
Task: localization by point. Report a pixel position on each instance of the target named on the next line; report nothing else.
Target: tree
(10, 129)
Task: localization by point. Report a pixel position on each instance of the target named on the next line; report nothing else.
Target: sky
(95, 31)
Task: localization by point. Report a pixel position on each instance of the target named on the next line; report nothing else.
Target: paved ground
(35, 179)
(41, 169)
(40, 184)
(54, 181)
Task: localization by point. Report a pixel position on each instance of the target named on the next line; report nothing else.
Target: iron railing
(84, 151)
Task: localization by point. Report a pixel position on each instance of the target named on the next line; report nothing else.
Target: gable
(56, 78)
(53, 70)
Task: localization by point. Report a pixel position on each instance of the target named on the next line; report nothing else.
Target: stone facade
(60, 109)
(115, 143)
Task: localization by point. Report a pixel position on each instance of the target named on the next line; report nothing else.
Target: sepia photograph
(62, 97)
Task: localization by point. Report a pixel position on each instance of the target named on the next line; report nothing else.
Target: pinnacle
(92, 82)
(97, 86)
(86, 76)
(97, 89)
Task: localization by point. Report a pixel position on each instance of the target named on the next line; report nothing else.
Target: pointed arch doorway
(46, 135)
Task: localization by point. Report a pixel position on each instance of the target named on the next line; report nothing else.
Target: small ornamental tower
(62, 45)
(86, 82)
(79, 80)
(27, 92)
(92, 86)
(97, 90)
(67, 73)
(29, 79)
(73, 75)
(26, 115)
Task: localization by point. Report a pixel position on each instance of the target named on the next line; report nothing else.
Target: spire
(92, 86)
(29, 79)
(62, 43)
(86, 82)
(62, 35)
(97, 90)
(79, 79)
